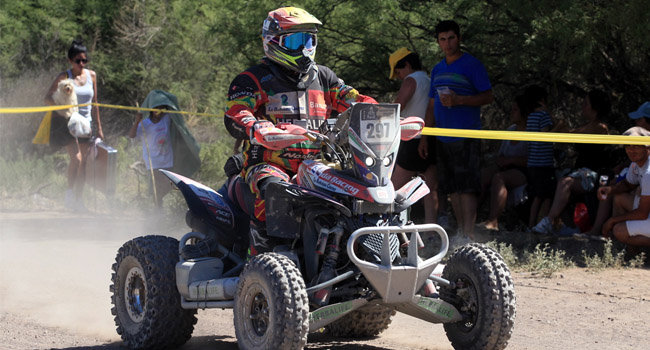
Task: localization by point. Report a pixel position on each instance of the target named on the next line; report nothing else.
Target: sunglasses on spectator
(79, 60)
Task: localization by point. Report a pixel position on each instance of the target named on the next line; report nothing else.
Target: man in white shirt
(630, 222)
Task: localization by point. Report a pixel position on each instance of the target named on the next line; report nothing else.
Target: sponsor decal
(285, 103)
(308, 123)
(217, 208)
(298, 155)
(337, 183)
(239, 94)
(437, 308)
(317, 105)
(331, 311)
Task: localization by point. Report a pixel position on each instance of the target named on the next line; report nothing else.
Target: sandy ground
(55, 273)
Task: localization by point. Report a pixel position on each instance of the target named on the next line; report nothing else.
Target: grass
(546, 260)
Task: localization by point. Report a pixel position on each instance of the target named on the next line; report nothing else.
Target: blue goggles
(294, 41)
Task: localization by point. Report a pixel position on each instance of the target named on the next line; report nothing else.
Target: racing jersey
(265, 92)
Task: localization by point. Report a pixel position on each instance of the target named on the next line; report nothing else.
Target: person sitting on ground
(508, 172)
(642, 115)
(589, 164)
(413, 97)
(630, 222)
(540, 163)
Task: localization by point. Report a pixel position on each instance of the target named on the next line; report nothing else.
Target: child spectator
(591, 162)
(541, 171)
(508, 172)
(166, 142)
(630, 222)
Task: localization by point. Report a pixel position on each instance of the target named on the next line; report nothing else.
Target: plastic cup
(443, 90)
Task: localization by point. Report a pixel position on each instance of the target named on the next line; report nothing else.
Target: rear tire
(146, 303)
(484, 295)
(367, 321)
(271, 305)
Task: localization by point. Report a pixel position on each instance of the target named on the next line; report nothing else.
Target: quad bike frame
(397, 285)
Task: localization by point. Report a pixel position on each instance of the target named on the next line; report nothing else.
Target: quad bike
(345, 261)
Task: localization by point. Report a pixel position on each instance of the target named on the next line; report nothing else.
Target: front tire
(271, 305)
(146, 303)
(484, 294)
(367, 321)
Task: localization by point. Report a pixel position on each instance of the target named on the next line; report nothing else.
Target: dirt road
(55, 273)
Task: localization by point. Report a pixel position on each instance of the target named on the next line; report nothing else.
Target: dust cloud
(55, 267)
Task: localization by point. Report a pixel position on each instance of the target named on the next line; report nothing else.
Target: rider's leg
(258, 178)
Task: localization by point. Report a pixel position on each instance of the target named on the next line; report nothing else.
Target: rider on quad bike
(286, 87)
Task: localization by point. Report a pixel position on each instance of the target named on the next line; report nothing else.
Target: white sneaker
(544, 226)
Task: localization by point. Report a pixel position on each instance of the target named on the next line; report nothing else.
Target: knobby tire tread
(166, 324)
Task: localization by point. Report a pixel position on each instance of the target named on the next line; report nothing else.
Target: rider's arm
(244, 99)
(341, 95)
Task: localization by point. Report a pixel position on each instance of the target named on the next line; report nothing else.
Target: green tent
(186, 149)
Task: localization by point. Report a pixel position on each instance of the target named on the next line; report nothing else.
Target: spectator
(591, 162)
(541, 171)
(413, 97)
(459, 87)
(642, 116)
(508, 172)
(85, 87)
(166, 142)
(630, 222)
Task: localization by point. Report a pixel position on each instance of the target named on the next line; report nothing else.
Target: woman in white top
(413, 97)
(85, 87)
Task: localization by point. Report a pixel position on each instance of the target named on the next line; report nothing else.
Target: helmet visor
(294, 41)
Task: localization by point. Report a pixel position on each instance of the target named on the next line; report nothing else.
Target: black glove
(234, 165)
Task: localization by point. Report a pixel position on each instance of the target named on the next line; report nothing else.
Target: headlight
(387, 160)
(370, 161)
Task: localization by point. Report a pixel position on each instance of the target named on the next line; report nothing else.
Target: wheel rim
(135, 289)
(259, 314)
(469, 306)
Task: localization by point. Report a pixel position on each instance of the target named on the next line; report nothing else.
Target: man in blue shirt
(459, 87)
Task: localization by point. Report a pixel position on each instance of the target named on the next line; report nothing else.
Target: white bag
(79, 125)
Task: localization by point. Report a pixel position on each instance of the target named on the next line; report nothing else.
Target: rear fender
(204, 202)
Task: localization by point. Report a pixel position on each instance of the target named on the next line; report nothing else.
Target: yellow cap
(396, 57)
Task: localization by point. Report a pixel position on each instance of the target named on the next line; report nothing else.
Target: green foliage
(195, 48)
(607, 260)
(546, 261)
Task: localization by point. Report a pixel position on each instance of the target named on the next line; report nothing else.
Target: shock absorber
(328, 268)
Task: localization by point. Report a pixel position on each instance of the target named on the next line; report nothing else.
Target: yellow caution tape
(539, 136)
(17, 110)
(476, 134)
(154, 110)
